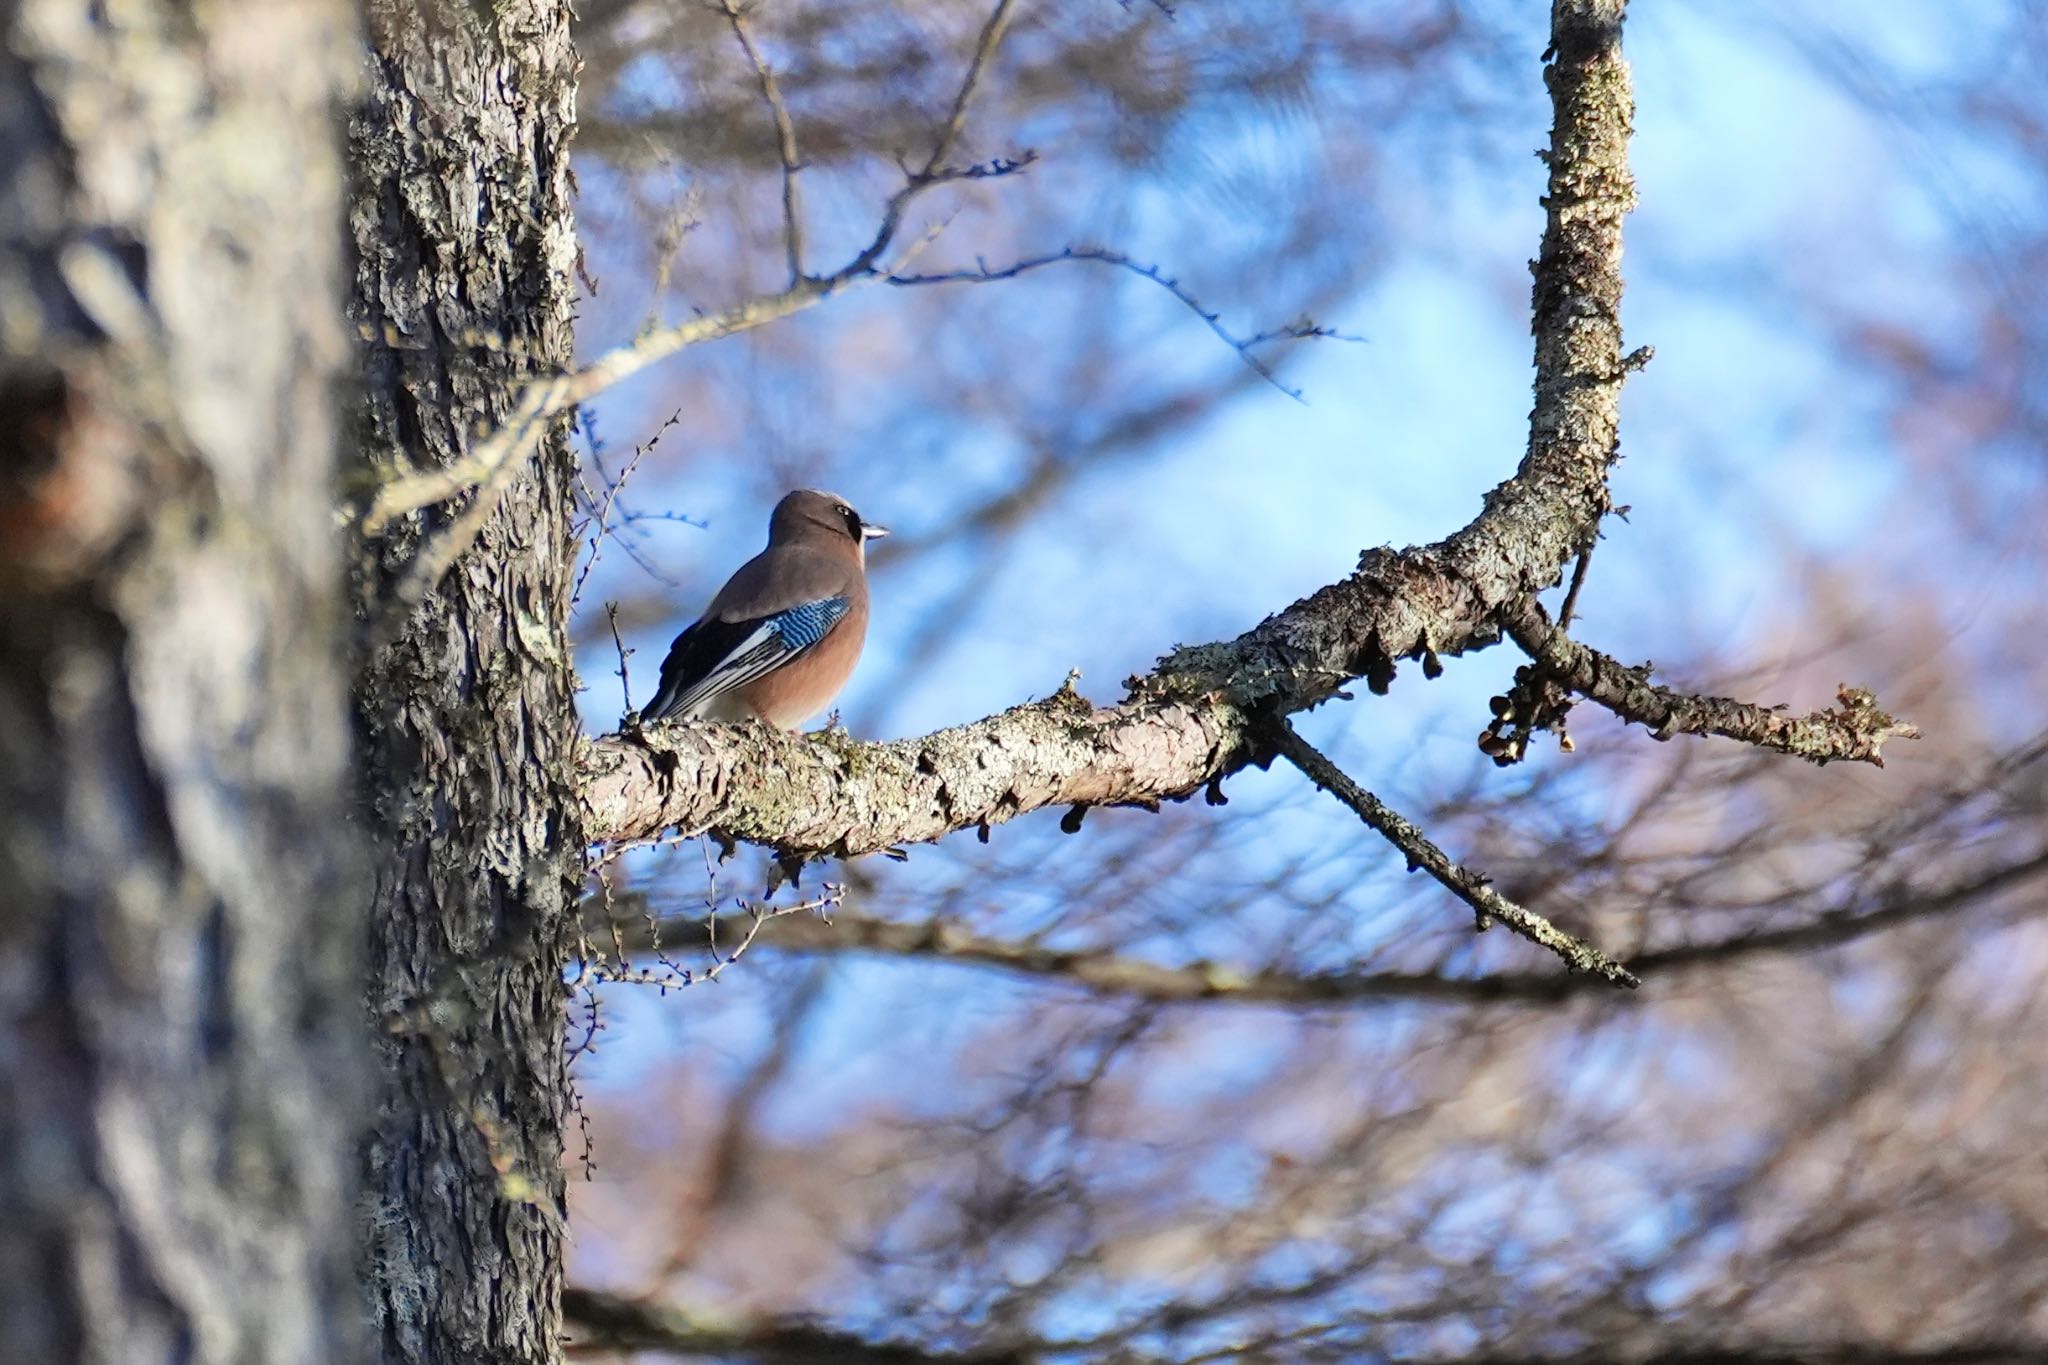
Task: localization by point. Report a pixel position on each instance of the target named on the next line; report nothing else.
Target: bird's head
(808, 512)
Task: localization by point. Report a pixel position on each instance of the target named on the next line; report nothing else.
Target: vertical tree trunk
(462, 227)
(181, 1060)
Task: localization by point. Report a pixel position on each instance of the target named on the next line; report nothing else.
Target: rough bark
(462, 226)
(181, 1052)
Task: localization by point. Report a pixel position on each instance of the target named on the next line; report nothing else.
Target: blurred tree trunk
(462, 227)
(181, 1060)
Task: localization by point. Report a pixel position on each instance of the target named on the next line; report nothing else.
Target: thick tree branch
(1853, 731)
(826, 794)
(1193, 720)
(1206, 711)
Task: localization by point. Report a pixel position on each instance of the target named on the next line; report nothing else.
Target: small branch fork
(935, 170)
(1488, 905)
(615, 964)
(1854, 730)
(785, 140)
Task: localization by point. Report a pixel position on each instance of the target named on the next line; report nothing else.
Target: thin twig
(601, 509)
(545, 399)
(1571, 594)
(1468, 886)
(1294, 331)
(630, 521)
(611, 612)
(438, 555)
(934, 171)
(785, 142)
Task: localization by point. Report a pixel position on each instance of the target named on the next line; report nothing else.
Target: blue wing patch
(801, 627)
(714, 657)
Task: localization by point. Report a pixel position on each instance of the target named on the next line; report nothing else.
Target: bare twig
(611, 613)
(934, 170)
(601, 508)
(1295, 331)
(785, 141)
(1854, 730)
(647, 942)
(1468, 886)
(546, 399)
(992, 32)
(1571, 594)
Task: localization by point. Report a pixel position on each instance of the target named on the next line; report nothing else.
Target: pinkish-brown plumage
(782, 636)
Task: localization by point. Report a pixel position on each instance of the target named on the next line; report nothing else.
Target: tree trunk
(180, 901)
(462, 227)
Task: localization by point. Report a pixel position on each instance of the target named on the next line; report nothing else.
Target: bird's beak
(870, 531)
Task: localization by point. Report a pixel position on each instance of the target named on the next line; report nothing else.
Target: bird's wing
(715, 656)
(779, 605)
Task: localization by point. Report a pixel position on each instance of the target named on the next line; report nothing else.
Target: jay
(782, 636)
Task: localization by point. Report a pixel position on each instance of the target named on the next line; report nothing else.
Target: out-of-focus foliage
(1817, 1126)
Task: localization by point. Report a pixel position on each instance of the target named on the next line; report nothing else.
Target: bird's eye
(852, 519)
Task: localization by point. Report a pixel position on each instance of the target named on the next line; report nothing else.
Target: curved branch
(1195, 718)
(1303, 329)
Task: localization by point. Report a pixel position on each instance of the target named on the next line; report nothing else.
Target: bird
(782, 636)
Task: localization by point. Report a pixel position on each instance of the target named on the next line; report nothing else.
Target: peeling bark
(181, 1054)
(462, 227)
